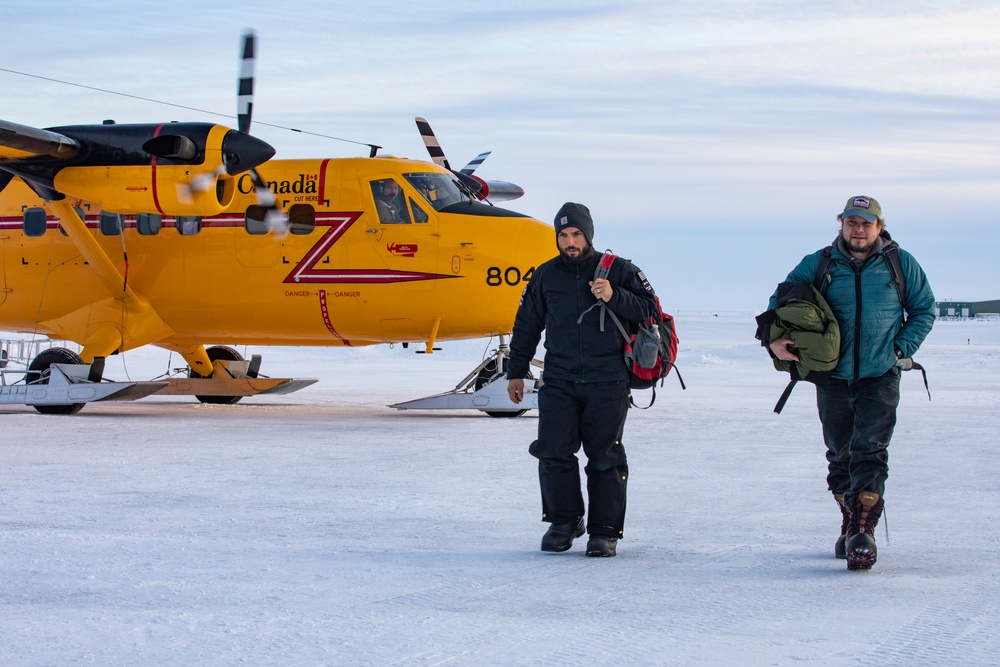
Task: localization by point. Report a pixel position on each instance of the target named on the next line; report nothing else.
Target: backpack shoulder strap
(604, 266)
(793, 380)
(822, 278)
(602, 271)
(891, 254)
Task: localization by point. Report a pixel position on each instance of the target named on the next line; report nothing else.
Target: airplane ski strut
(233, 378)
(70, 384)
(232, 386)
(64, 388)
(484, 389)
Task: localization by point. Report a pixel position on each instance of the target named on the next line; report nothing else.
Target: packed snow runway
(323, 528)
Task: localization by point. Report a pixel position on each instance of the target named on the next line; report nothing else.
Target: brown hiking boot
(840, 549)
(865, 509)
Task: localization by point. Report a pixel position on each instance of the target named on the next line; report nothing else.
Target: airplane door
(403, 231)
(255, 246)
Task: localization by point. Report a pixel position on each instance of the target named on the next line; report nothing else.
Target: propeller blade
(244, 112)
(244, 89)
(432, 144)
(206, 181)
(474, 164)
(264, 195)
(202, 182)
(274, 218)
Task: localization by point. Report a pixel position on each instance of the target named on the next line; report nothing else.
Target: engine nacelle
(168, 190)
(167, 168)
(498, 190)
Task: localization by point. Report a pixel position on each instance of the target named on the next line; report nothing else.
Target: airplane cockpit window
(301, 219)
(111, 224)
(419, 215)
(148, 224)
(34, 222)
(390, 202)
(438, 189)
(188, 225)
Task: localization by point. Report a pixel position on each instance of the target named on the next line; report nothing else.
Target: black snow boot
(560, 536)
(840, 549)
(866, 509)
(602, 547)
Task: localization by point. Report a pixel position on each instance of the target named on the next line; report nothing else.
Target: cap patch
(862, 202)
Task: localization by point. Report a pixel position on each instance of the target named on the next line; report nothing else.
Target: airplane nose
(242, 152)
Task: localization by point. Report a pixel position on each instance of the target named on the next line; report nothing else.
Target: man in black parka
(584, 396)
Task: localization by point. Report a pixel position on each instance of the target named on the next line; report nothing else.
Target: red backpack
(651, 349)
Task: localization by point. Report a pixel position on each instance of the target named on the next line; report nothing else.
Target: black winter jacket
(557, 294)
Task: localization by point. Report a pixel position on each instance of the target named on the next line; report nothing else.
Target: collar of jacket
(585, 265)
(841, 247)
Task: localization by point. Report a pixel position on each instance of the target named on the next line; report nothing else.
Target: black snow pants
(858, 418)
(591, 414)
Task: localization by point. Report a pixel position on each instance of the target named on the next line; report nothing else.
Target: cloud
(725, 125)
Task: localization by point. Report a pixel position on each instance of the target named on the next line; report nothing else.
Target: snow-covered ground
(323, 528)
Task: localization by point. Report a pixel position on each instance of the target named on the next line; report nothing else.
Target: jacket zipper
(857, 322)
(579, 307)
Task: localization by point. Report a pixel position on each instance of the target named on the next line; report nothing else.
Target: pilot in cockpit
(390, 202)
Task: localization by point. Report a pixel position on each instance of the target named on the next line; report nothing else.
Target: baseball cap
(866, 207)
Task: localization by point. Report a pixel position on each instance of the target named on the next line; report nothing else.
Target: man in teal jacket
(879, 334)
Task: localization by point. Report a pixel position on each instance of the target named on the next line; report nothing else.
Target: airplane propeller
(477, 187)
(244, 113)
(231, 160)
(77, 160)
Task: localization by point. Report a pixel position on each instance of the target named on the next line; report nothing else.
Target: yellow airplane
(182, 235)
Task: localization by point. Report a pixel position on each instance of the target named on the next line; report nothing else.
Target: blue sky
(714, 142)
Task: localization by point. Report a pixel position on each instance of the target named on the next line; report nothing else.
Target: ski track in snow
(957, 623)
(322, 528)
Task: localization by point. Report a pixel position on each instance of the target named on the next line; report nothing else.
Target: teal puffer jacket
(867, 307)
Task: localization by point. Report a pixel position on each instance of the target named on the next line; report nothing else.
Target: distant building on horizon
(967, 309)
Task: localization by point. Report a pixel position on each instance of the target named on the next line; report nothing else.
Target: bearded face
(859, 234)
(572, 243)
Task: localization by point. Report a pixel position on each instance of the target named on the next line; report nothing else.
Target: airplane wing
(21, 141)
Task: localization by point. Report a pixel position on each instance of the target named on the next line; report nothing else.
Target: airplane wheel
(220, 353)
(38, 373)
(490, 374)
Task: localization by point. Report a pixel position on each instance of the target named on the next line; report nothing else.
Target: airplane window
(34, 222)
(301, 219)
(254, 222)
(390, 202)
(188, 225)
(111, 224)
(438, 189)
(148, 224)
(419, 215)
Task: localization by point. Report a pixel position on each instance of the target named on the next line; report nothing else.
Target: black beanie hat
(576, 215)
